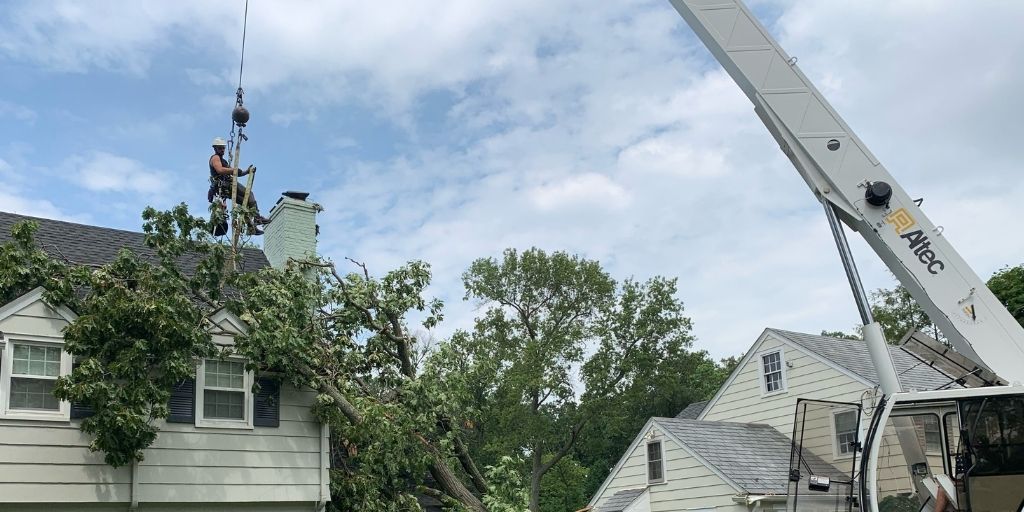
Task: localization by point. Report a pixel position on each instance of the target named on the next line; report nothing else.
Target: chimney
(292, 231)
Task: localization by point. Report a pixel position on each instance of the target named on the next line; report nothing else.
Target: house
(221, 449)
(732, 453)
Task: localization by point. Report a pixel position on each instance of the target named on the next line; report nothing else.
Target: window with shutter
(223, 394)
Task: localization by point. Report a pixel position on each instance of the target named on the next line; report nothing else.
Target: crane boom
(841, 170)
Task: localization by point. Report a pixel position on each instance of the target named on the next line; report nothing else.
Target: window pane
(846, 431)
(36, 360)
(33, 394)
(655, 470)
(223, 404)
(224, 374)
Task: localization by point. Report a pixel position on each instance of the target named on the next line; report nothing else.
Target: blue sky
(448, 131)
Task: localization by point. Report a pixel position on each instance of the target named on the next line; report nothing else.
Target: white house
(221, 449)
(733, 452)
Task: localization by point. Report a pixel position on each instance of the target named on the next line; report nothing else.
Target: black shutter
(267, 403)
(80, 410)
(183, 402)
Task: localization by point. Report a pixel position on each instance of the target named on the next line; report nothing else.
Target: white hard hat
(217, 141)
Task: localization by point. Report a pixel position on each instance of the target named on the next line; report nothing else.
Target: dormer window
(773, 372)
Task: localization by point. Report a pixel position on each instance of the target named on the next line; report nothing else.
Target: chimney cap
(301, 196)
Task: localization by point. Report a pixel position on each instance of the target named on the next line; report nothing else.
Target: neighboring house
(705, 457)
(221, 449)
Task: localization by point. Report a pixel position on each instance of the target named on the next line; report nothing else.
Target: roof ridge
(30, 217)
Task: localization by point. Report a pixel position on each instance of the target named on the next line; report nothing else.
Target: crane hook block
(878, 193)
(240, 115)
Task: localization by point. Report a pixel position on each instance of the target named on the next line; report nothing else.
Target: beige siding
(808, 378)
(35, 319)
(688, 483)
(49, 462)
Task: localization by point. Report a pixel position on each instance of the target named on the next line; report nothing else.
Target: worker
(220, 184)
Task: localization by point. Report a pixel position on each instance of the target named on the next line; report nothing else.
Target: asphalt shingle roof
(754, 456)
(690, 412)
(94, 245)
(620, 500)
(852, 355)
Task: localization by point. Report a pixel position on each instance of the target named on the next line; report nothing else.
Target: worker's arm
(225, 171)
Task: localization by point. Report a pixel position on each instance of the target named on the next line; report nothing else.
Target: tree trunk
(452, 486)
(535, 475)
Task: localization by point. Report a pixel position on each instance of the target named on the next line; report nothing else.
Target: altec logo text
(901, 220)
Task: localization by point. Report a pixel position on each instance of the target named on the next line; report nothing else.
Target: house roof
(753, 456)
(94, 245)
(852, 355)
(690, 412)
(620, 500)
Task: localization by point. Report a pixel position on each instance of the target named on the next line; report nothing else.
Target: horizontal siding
(228, 493)
(688, 483)
(63, 493)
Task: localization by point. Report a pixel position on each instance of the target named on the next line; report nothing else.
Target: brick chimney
(292, 231)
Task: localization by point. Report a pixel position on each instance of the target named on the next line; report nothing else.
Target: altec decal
(918, 242)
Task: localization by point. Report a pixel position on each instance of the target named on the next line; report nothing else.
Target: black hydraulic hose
(868, 442)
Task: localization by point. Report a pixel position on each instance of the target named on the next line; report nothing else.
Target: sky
(449, 131)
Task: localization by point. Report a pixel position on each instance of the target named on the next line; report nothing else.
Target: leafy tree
(841, 335)
(548, 317)
(1008, 286)
(143, 324)
(898, 313)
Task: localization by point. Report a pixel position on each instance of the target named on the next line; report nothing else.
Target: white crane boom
(840, 170)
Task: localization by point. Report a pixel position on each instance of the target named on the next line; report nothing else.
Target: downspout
(135, 487)
(325, 475)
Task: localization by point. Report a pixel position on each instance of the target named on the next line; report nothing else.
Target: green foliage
(563, 355)
(1008, 286)
(843, 335)
(507, 492)
(561, 487)
(898, 313)
(25, 267)
(898, 504)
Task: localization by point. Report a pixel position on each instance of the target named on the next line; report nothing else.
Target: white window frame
(836, 451)
(63, 412)
(647, 461)
(247, 382)
(782, 368)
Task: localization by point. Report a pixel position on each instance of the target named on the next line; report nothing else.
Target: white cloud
(99, 171)
(16, 112)
(587, 189)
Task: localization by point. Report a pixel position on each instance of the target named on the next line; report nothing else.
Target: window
(846, 432)
(224, 397)
(30, 369)
(927, 426)
(773, 372)
(655, 463)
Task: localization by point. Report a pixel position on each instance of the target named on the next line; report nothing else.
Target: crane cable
(239, 92)
(239, 118)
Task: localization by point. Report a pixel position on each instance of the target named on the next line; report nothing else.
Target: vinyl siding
(808, 378)
(688, 483)
(49, 462)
